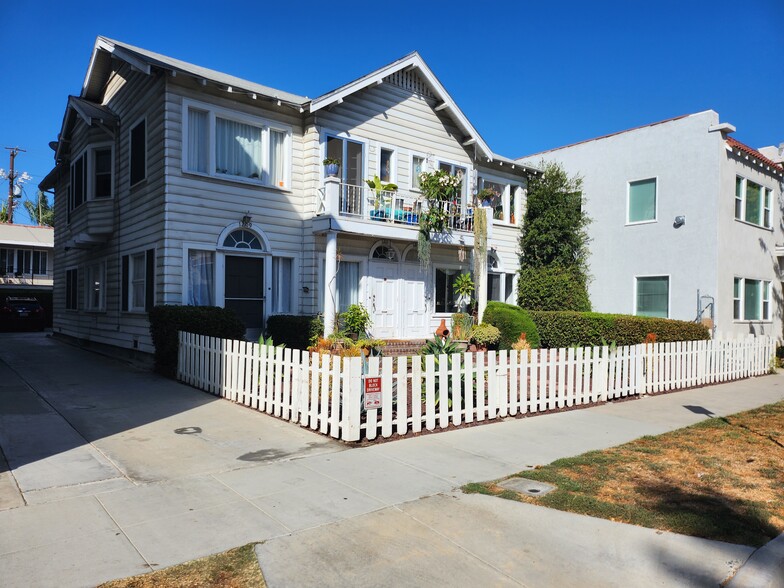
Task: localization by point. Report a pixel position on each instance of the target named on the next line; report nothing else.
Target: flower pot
(332, 169)
(442, 331)
(461, 345)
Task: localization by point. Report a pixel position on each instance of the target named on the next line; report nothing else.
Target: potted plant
(464, 287)
(483, 336)
(331, 167)
(372, 347)
(356, 320)
(380, 208)
(461, 329)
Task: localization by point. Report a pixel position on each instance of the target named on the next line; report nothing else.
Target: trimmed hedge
(295, 331)
(565, 329)
(511, 320)
(165, 321)
(552, 288)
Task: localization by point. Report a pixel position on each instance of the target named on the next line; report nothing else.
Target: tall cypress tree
(554, 243)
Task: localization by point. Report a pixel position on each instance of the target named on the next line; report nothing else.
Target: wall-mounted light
(680, 220)
(245, 222)
(305, 289)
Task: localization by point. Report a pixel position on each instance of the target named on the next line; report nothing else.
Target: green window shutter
(653, 296)
(642, 201)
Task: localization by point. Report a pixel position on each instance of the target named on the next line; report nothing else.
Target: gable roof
(414, 61)
(143, 60)
(735, 145)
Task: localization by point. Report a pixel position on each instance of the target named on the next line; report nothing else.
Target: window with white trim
(138, 281)
(752, 202)
(751, 300)
(95, 287)
(653, 296)
(446, 297)
(418, 165)
(347, 285)
(92, 175)
(386, 165)
(201, 278)
(223, 143)
(642, 201)
(459, 171)
(281, 285)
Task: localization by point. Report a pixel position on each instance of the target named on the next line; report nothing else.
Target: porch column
(332, 195)
(330, 283)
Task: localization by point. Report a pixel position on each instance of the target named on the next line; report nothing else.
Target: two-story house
(687, 223)
(177, 184)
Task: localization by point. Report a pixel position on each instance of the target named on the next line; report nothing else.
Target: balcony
(385, 214)
(26, 280)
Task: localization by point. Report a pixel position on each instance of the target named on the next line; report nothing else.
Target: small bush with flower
(440, 188)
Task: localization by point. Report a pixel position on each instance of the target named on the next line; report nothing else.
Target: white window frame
(326, 134)
(655, 207)
(465, 197)
(669, 292)
(766, 296)
(264, 124)
(293, 288)
(89, 171)
(411, 174)
(132, 280)
(766, 196)
(392, 163)
(444, 266)
(321, 286)
(142, 120)
(100, 267)
(506, 201)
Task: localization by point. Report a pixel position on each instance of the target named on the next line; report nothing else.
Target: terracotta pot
(442, 331)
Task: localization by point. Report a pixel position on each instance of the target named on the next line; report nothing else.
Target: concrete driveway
(115, 471)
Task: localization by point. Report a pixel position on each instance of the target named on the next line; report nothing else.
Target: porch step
(397, 347)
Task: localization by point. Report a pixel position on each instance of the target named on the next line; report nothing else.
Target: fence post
(352, 399)
(640, 351)
(603, 366)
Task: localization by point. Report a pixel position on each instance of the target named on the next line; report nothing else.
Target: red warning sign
(372, 392)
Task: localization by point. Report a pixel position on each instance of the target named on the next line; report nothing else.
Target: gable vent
(409, 80)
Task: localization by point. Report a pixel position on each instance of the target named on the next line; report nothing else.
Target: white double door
(398, 300)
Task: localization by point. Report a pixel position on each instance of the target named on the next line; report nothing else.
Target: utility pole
(12, 175)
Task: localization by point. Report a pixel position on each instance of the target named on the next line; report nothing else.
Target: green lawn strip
(694, 481)
(235, 568)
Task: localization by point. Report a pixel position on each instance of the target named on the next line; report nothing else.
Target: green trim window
(752, 202)
(653, 296)
(642, 201)
(751, 300)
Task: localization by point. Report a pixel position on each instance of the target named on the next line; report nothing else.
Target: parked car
(22, 313)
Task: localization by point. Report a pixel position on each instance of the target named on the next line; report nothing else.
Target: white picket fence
(325, 392)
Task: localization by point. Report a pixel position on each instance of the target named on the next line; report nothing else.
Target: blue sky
(529, 75)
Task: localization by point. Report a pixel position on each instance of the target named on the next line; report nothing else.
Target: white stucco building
(684, 216)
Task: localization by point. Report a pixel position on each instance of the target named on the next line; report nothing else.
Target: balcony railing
(25, 279)
(402, 208)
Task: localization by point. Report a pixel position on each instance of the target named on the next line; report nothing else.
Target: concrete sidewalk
(122, 472)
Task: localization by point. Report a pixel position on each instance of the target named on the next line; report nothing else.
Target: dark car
(22, 313)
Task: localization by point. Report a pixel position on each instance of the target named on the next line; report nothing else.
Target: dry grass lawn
(721, 479)
(236, 568)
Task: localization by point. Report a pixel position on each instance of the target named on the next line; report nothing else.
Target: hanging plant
(441, 190)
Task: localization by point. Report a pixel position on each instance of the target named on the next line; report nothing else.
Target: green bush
(566, 329)
(552, 288)
(165, 321)
(293, 330)
(485, 334)
(511, 321)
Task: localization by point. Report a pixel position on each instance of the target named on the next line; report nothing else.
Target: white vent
(409, 80)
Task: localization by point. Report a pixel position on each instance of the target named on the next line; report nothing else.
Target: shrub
(552, 288)
(485, 334)
(355, 319)
(165, 321)
(295, 331)
(566, 329)
(511, 321)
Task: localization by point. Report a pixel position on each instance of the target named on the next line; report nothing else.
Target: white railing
(396, 207)
(325, 392)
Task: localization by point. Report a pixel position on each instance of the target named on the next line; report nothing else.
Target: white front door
(384, 304)
(415, 318)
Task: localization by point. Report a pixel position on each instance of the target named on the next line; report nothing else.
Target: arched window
(242, 239)
(411, 256)
(385, 253)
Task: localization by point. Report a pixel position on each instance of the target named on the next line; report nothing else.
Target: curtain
(348, 284)
(198, 148)
(277, 157)
(281, 285)
(237, 149)
(201, 278)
